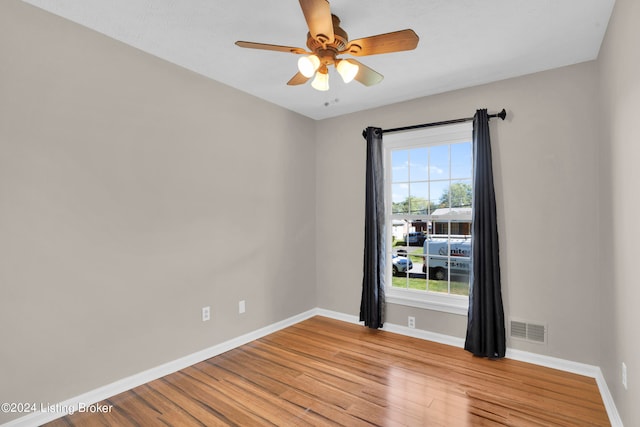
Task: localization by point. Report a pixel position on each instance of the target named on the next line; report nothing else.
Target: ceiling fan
(326, 40)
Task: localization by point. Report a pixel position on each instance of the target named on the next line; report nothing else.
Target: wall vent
(528, 331)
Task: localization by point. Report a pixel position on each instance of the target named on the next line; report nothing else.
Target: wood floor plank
(323, 372)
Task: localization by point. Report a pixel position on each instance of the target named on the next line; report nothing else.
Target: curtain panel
(485, 323)
(373, 280)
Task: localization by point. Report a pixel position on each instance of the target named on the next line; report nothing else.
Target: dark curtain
(485, 327)
(372, 304)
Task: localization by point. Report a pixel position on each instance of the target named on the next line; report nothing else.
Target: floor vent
(528, 331)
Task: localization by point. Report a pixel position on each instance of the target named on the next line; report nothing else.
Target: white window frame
(446, 134)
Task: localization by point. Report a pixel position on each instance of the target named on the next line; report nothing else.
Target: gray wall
(133, 193)
(545, 165)
(619, 63)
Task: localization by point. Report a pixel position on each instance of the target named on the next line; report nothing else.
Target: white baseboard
(107, 391)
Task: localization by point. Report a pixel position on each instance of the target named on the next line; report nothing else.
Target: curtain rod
(502, 114)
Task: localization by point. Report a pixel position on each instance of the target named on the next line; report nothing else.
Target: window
(429, 191)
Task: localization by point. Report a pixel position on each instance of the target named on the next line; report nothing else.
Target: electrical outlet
(624, 375)
(242, 307)
(412, 322)
(206, 313)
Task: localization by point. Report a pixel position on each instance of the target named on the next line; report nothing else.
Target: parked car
(415, 238)
(401, 264)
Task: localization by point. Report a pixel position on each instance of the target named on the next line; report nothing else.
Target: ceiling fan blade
(264, 46)
(298, 79)
(318, 16)
(383, 43)
(366, 75)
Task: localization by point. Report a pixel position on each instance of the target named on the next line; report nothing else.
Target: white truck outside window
(447, 257)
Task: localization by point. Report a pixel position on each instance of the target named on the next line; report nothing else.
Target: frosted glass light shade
(321, 82)
(307, 65)
(347, 70)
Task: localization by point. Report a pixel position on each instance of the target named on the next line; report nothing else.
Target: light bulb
(321, 82)
(347, 70)
(308, 65)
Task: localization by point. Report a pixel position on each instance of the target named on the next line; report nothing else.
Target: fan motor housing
(327, 52)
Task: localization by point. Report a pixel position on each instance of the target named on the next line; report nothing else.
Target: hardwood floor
(326, 372)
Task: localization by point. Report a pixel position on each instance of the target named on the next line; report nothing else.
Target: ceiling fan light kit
(347, 70)
(308, 65)
(326, 40)
(321, 81)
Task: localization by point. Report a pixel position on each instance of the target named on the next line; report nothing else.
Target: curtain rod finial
(502, 114)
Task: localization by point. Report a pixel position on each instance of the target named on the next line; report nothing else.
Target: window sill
(454, 304)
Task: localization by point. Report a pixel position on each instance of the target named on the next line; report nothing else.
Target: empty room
(319, 212)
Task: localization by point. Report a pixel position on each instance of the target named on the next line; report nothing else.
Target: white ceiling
(462, 43)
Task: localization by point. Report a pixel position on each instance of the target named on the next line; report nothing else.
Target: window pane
(400, 198)
(420, 198)
(419, 164)
(440, 227)
(461, 194)
(461, 160)
(439, 194)
(448, 264)
(407, 259)
(436, 250)
(400, 166)
(439, 162)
